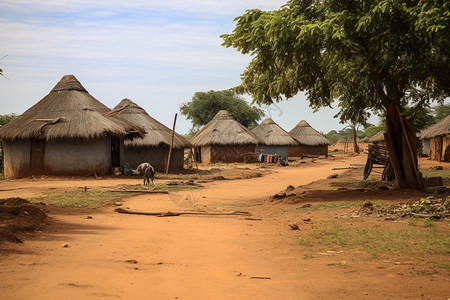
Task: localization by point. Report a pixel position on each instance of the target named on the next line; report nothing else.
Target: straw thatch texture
(273, 135)
(440, 128)
(155, 133)
(223, 129)
(67, 112)
(379, 137)
(306, 135)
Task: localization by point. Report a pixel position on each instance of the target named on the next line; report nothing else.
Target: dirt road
(111, 255)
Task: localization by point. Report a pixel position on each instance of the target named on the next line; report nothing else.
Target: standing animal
(147, 171)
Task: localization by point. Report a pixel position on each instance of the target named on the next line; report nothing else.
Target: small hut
(275, 140)
(154, 146)
(224, 139)
(310, 141)
(437, 137)
(378, 139)
(68, 132)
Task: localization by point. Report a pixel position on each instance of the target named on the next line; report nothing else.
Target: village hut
(378, 139)
(68, 132)
(275, 140)
(224, 139)
(437, 139)
(310, 141)
(154, 146)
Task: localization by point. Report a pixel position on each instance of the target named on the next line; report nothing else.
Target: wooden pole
(171, 144)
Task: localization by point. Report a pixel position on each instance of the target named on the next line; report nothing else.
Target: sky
(157, 53)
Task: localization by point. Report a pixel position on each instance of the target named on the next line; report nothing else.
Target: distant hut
(310, 141)
(224, 139)
(67, 132)
(154, 146)
(275, 140)
(437, 137)
(378, 139)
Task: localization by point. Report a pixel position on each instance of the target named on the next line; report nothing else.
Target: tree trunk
(355, 144)
(401, 143)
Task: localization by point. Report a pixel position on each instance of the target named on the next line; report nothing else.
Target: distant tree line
(419, 117)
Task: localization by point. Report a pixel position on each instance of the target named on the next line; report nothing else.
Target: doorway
(37, 151)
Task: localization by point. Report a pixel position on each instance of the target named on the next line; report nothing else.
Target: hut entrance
(37, 154)
(115, 152)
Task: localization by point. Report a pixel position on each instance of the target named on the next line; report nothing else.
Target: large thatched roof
(67, 112)
(155, 133)
(273, 135)
(306, 135)
(440, 128)
(377, 137)
(224, 130)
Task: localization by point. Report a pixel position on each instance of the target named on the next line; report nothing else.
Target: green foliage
(373, 129)
(4, 119)
(205, 105)
(441, 111)
(367, 55)
(308, 256)
(190, 135)
(428, 222)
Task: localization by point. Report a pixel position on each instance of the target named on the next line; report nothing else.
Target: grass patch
(329, 205)
(340, 263)
(438, 173)
(308, 256)
(428, 222)
(79, 198)
(361, 183)
(378, 241)
(442, 265)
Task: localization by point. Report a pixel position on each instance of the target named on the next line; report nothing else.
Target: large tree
(366, 54)
(205, 105)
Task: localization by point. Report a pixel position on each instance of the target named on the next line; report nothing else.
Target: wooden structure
(224, 139)
(378, 155)
(68, 132)
(437, 140)
(310, 141)
(154, 145)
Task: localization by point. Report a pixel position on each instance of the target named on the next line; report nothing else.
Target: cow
(148, 172)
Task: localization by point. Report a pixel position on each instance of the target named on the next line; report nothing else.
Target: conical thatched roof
(273, 135)
(67, 112)
(155, 132)
(224, 130)
(306, 135)
(440, 128)
(377, 137)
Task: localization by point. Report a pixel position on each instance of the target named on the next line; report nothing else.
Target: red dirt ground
(113, 256)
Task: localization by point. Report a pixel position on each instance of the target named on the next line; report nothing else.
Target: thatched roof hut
(154, 146)
(272, 134)
(311, 142)
(224, 139)
(156, 133)
(436, 140)
(377, 138)
(306, 135)
(67, 132)
(275, 140)
(67, 112)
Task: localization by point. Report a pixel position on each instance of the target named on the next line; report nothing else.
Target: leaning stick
(171, 144)
(177, 213)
